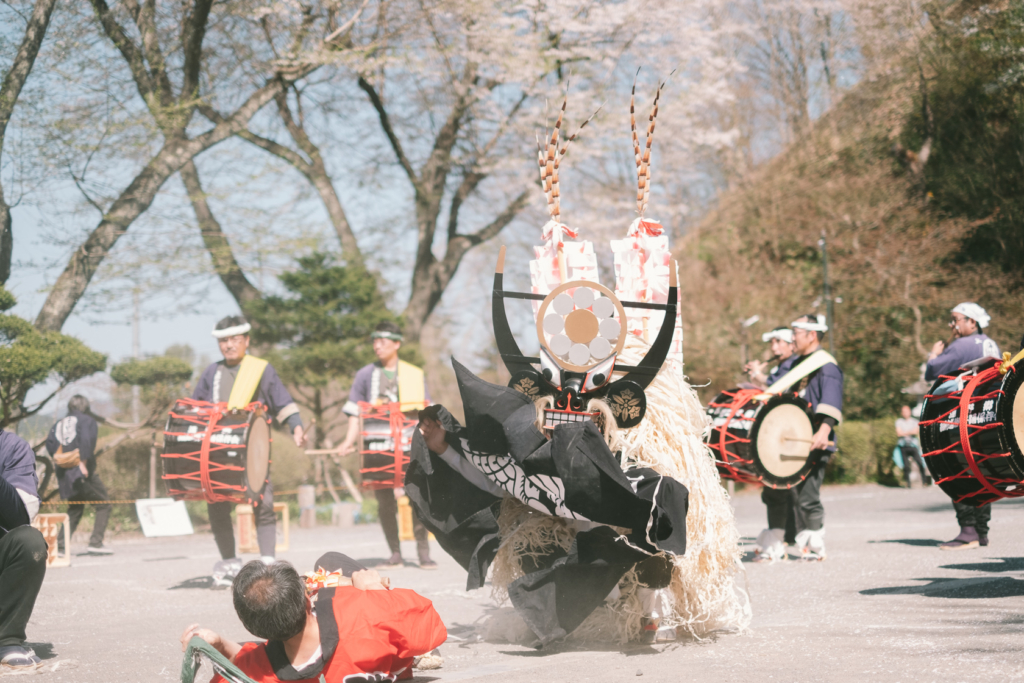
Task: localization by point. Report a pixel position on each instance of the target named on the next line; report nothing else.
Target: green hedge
(865, 453)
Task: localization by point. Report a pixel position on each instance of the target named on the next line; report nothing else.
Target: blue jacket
(824, 391)
(271, 393)
(959, 353)
(77, 430)
(782, 368)
(366, 387)
(17, 473)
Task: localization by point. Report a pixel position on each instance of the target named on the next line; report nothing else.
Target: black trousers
(912, 452)
(22, 567)
(333, 562)
(266, 525)
(797, 508)
(967, 515)
(90, 488)
(387, 511)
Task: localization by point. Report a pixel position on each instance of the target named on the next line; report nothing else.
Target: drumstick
(793, 438)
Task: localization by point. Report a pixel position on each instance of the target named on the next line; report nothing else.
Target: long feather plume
(643, 160)
(549, 157)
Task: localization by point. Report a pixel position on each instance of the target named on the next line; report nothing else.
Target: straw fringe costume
(608, 520)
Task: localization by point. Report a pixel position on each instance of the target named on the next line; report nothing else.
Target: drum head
(257, 462)
(782, 442)
(1011, 414)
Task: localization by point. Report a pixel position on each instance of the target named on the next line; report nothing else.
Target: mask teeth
(553, 418)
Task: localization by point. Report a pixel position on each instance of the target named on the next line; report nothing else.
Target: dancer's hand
(434, 434)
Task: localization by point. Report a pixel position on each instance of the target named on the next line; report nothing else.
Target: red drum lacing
(727, 459)
(399, 423)
(968, 431)
(207, 416)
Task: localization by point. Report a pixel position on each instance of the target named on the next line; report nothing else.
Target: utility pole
(136, 352)
(827, 293)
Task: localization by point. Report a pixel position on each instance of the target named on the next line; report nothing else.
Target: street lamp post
(827, 293)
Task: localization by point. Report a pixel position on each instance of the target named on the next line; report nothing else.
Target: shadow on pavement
(199, 582)
(1004, 564)
(630, 650)
(961, 589)
(43, 650)
(926, 542)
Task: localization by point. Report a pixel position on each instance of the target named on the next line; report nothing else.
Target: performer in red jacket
(359, 632)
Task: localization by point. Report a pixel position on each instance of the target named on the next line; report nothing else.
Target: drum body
(761, 439)
(387, 439)
(215, 454)
(972, 427)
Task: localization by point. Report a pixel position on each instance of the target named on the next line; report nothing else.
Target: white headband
(974, 312)
(785, 334)
(818, 326)
(232, 331)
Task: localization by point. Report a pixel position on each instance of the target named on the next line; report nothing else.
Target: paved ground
(886, 606)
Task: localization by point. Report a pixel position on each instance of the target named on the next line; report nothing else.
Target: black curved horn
(513, 358)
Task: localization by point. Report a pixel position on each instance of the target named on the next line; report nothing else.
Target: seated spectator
(346, 633)
(22, 551)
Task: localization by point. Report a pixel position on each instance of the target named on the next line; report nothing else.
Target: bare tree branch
(192, 39)
(389, 131)
(216, 242)
(10, 90)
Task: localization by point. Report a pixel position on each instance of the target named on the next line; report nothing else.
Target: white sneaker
(656, 605)
(225, 571)
(268, 560)
(811, 544)
(769, 546)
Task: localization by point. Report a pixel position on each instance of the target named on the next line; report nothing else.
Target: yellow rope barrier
(133, 501)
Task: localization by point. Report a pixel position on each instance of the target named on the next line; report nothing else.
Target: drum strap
(411, 393)
(247, 382)
(804, 368)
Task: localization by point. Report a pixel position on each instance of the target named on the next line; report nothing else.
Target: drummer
(969, 343)
(783, 352)
(389, 380)
(823, 390)
(262, 384)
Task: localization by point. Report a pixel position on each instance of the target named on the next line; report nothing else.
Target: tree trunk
(216, 242)
(133, 202)
(13, 82)
(431, 277)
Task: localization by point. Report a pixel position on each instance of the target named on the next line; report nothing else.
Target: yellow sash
(411, 394)
(248, 381)
(815, 361)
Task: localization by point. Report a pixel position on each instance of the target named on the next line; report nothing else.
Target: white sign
(163, 517)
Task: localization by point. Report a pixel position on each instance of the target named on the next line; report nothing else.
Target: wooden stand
(50, 524)
(405, 519)
(245, 528)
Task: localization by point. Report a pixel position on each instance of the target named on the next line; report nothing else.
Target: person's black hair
(270, 600)
(780, 329)
(813, 318)
(230, 321)
(388, 326)
(78, 403)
